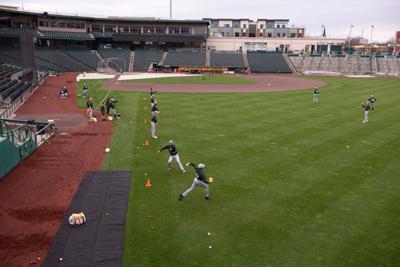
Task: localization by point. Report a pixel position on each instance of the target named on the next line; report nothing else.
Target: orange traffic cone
(145, 107)
(146, 142)
(148, 183)
(145, 121)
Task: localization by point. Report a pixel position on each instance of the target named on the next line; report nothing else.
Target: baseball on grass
(209, 233)
(108, 149)
(347, 146)
(209, 246)
(210, 179)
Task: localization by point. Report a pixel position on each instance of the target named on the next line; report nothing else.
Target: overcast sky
(336, 15)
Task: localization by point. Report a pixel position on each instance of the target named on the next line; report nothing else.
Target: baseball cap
(201, 166)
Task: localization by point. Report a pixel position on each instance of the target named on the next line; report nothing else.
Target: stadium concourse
(36, 194)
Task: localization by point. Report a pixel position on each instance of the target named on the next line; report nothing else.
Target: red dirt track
(264, 83)
(35, 195)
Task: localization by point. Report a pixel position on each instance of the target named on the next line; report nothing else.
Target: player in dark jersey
(316, 95)
(154, 123)
(199, 180)
(372, 101)
(173, 155)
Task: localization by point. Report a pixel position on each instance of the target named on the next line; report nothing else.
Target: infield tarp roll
(103, 198)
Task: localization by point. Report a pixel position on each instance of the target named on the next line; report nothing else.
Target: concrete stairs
(162, 59)
(131, 61)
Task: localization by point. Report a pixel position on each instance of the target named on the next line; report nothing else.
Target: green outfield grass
(202, 79)
(287, 191)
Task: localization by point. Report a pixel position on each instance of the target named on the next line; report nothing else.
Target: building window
(184, 30)
(148, 30)
(278, 35)
(261, 26)
(261, 34)
(108, 28)
(174, 30)
(227, 26)
(97, 28)
(236, 24)
(161, 30)
(283, 34)
(135, 30)
(269, 34)
(214, 23)
(283, 26)
(244, 26)
(278, 26)
(237, 34)
(292, 35)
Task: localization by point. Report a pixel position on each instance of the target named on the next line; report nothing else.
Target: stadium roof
(7, 10)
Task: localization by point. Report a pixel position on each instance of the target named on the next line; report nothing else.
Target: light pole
(170, 9)
(351, 27)
(372, 28)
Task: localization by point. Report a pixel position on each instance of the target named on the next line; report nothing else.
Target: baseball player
(152, 101)
(173, 155)
(154, 123)
(85, 91)
(199, 180)
(316, 95)
(365, 106)
(89, 105)
(372, 100)
(152, 93)
(154, 106)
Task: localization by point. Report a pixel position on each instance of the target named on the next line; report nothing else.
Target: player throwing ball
(173, 155)
(199, 180)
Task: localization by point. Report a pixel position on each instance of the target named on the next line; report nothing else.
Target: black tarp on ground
(103, 197)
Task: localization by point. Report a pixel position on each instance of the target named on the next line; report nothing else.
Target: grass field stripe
(104, 98)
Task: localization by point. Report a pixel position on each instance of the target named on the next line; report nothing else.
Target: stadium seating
(84, 55)
(267, 62)
(58, 58)
(144, 58)
(185, 58)
(339, 64)
(389, 65)
(227, 59)
(80, 36)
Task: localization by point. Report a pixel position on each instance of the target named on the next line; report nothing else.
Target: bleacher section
(388, 65)
(144, 58)
(53, 35)
(227, 59)
(267, 62)
(10, 55)
(185, 58)
(10, 88)
(339, 64)
(58, 60)
(83, 55)
(122, 53)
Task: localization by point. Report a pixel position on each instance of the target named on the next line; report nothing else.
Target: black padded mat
(103, 197)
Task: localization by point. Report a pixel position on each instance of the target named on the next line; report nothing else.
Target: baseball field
(295, 183)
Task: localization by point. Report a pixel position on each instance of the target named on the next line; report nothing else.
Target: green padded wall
(9, 156)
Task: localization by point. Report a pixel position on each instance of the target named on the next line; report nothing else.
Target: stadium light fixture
(351, 27)
(372, 28)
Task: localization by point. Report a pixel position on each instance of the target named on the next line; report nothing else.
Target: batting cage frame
(111, 65)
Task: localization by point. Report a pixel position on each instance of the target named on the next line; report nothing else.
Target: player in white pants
(199, 180)
(316, 95)
(153, 124)
(173, 155)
